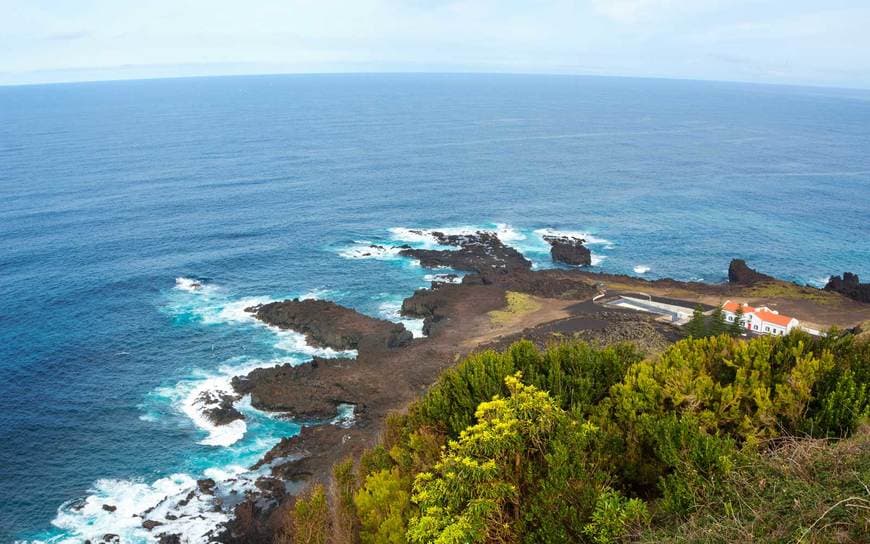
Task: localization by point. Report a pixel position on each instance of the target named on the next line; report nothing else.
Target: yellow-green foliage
(311, 518)
(599, 445)
(344, 486)
(383, 504)
(575, 373)
(517, 305)
(751, 390)
(495, 483)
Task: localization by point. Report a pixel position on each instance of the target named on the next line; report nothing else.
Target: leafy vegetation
(583, 444)
(701, 326)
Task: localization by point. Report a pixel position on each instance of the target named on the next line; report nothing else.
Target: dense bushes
(574, 373)
(579, 444)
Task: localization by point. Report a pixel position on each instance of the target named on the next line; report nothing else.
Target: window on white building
(766, 329)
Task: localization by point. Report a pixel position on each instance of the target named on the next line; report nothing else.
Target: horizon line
(404, 72)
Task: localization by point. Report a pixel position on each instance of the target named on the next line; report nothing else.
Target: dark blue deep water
(264, 187)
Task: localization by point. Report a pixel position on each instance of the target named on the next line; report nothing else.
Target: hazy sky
(821, 42)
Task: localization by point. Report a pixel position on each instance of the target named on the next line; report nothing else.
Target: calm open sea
(113, 196)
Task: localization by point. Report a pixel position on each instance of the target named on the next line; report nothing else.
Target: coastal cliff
(343, 404)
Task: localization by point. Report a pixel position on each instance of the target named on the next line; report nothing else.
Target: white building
(760, 320)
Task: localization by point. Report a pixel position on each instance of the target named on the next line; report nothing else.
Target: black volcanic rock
(206, 486)
(740, 273)
(849, 285)
(310, 392)
(326, 324)
(219, 409)
(481, 253)
(569, 250)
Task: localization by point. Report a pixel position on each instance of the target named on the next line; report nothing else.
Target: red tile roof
(732, 307)
(776, 319)
(764, 315)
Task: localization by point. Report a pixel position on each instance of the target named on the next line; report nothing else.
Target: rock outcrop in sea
(326, 324)
(480, 253)
(740, 273)
(849, 285)
(569, 250)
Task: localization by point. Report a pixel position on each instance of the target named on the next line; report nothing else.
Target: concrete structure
(760, 320)
(669, 308)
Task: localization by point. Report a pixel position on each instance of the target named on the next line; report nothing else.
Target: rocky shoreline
(391, 368)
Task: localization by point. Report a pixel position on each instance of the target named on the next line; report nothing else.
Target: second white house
(760, 320)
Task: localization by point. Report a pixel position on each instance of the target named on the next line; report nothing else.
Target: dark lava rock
(309, 392)
(206, 485)
(219, 409)
(569, 250)
(481, 253)
(150, 524)
(109, 507)
(850, 286)
(272, 487)
(110, 537)
(170, 539)
(741, 274)
(327, 324)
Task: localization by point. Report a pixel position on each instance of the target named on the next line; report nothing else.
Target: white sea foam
(641, 269)
(595, 260)
(590, 238)
(189, 284)
(363, 249)
(295, 342)
(820, 282)
(204, 396)
(174, 501)
(136, 501)
(345, 417)
(443, 278)
(391, 310)
(425, 237)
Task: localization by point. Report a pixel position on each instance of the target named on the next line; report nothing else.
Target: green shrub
(614, 517)
(311, 518)
(498, 471)
(383, 504)
(597, 438)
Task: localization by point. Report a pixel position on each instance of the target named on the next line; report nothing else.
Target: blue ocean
(140, 218)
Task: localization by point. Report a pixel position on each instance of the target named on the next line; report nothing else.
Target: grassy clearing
(793, 291)
(806, 491)
(518, 304)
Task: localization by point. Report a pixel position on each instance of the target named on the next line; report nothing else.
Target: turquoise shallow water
(266, 187)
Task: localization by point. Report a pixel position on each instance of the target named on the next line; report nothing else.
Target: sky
(804, 42)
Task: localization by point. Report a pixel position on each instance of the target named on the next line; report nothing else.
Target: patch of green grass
(791, 290)
(517, 304)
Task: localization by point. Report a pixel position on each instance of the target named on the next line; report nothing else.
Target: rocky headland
(392, 369)
(326, 324)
